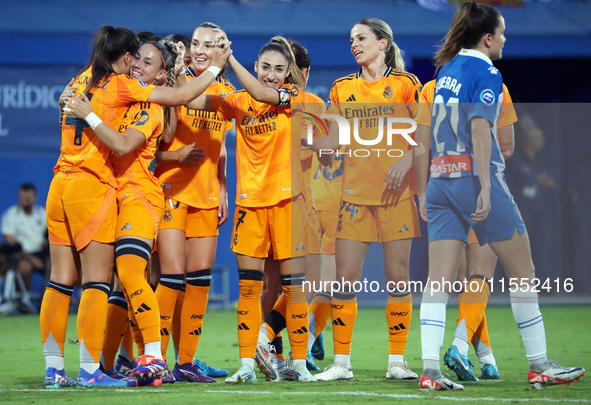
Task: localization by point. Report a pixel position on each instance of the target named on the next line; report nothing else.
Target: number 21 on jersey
(441, 135)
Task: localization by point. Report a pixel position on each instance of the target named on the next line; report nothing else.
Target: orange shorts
(473, 239)
(388, 222)
(138, 218)
(195, 222)
(258, 231)
(328, 222)
(80, 209)
(305, 231)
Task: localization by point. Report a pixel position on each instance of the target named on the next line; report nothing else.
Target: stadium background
(546, 60)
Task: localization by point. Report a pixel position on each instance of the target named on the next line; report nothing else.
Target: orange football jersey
(263, 146)
(134, 177)
(81, 149)
(302, 160)
(367, 104)
(197, 186)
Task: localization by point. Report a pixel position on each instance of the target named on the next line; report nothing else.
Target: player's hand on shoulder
(68, 90)
(78, 106)
(190, 155)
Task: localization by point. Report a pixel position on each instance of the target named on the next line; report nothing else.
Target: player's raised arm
(172, 97)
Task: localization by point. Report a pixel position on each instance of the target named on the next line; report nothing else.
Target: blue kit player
(467, 189)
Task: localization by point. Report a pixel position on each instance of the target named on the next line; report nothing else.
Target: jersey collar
(476, 54)
(386, 73)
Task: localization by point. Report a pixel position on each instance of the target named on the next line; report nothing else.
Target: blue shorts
(450, 202)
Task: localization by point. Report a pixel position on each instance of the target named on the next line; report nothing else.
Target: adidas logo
(249, 108)
(243, 326)
(300, 331)
(143, 308)
(338, 322)
(126, 227)
(131, 323)
(164, 332)
(404, 229)
(300, 247)
(352, 98)
(196, 332)
(400, 326)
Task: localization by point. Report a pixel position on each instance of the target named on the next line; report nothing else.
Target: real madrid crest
(167, 216)
(284, 96)
(388, 92)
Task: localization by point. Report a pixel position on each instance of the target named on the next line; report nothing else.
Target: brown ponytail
(470, 23)
(281, 45)
(110, 44)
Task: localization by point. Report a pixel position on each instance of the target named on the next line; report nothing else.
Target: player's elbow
(121, 152)
(122, 149)
(508, 152)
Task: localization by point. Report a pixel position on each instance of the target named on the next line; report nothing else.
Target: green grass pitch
(567, 328)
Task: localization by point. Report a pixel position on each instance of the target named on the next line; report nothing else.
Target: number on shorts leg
(240, 219)
(352, 208)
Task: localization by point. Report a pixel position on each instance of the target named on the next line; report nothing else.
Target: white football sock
(484, 353)
(432, 315)
(56, 362)
(395, 358)
(248, 361)
(154, 349)
(311, 330)
(526, 312)
(342, 359)
(461, 338)
(263, 334)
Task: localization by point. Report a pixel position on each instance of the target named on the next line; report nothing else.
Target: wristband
(215, 70)
(93, 120)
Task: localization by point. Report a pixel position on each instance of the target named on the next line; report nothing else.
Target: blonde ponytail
(393, 54)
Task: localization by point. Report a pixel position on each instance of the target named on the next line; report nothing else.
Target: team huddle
(141, 184)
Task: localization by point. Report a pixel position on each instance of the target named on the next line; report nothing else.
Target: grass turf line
(567, 330)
